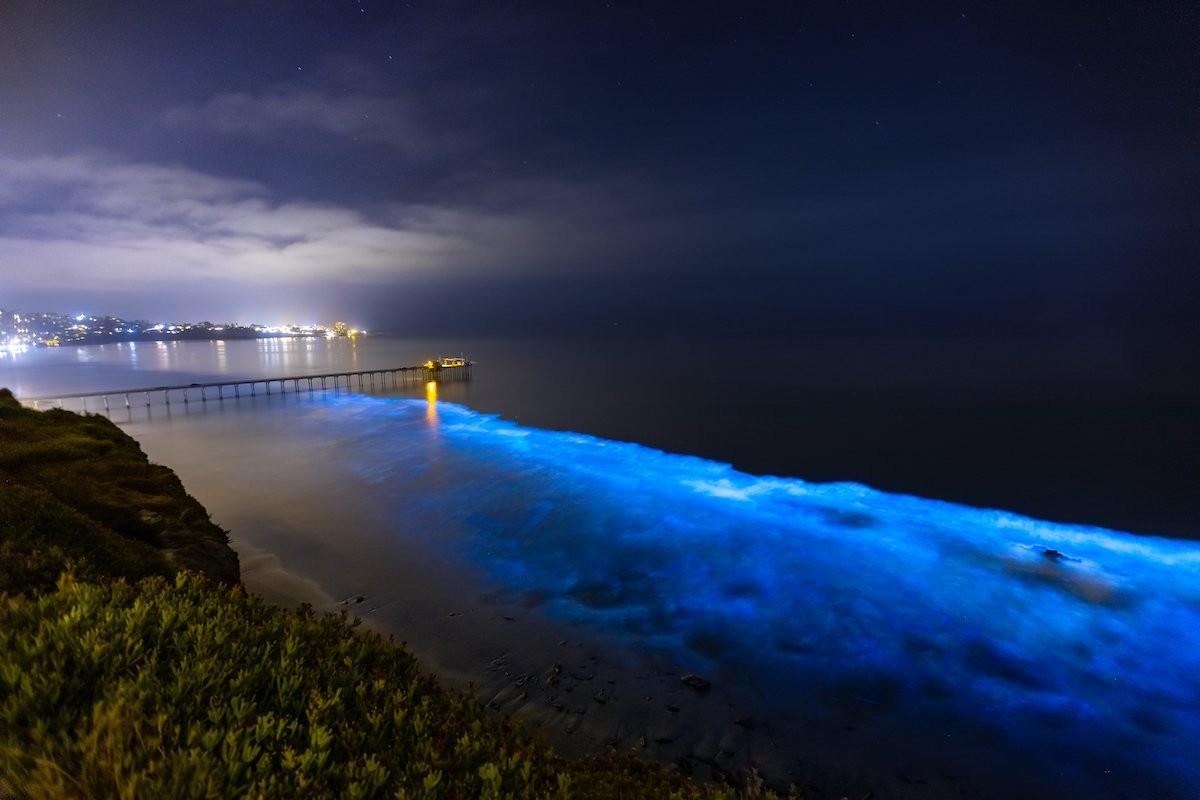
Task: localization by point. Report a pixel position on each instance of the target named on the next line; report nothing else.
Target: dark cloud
(561, 167)
(112, 223)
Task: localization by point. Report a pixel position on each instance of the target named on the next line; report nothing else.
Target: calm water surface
(1087, 432)
(509, 524)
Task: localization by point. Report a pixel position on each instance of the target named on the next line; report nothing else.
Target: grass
(176, 689)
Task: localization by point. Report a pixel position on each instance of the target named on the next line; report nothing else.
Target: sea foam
(1077, 644)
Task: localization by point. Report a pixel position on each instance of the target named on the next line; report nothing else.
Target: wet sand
(584, 693)
(304, 536)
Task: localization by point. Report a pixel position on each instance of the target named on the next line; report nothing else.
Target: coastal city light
(23, 330)
(13, 344)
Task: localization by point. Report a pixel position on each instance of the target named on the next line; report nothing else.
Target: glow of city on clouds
(803, 167)
(72, 218)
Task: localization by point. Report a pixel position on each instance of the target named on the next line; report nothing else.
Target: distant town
(20, 330)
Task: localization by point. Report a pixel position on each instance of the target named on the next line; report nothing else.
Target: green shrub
(90, 465)
(165, 689)
(40, 537)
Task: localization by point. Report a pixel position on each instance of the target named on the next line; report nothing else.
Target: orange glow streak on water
(431, 414)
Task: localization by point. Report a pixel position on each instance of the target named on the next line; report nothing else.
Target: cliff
(122, 675)
(79, 489)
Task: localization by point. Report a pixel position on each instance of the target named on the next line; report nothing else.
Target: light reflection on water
(431, 399)
(122, 366)
(903, 616)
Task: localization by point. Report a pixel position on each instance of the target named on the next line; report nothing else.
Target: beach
(838, 638)
(832, 636)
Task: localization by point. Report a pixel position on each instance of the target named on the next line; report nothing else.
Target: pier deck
(183, 392)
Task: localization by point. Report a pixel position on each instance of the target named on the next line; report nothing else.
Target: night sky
(945, 169)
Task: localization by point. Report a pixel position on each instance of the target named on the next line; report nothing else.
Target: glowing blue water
(1080, 644)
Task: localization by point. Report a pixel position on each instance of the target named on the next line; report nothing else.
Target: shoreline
(578, 691)
(870, 703)
(584, 693)
(1108, 452)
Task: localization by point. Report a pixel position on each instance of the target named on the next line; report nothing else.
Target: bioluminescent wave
(1077, 644)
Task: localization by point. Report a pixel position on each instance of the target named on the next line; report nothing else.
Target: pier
(449, 369)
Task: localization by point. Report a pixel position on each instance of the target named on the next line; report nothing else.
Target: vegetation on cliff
(79, 482)
(123, 675)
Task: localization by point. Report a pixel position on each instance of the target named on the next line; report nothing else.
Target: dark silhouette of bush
(40, 537)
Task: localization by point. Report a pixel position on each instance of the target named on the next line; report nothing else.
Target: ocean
(1089, 431)
(583, 525)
